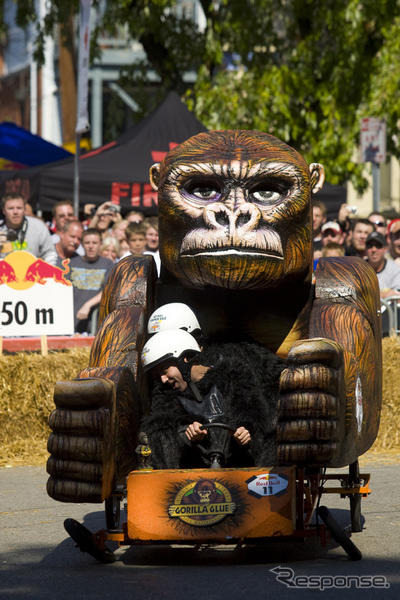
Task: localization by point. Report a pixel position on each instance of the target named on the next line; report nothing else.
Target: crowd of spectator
(86, 249)
(373, 239)
(89, 247)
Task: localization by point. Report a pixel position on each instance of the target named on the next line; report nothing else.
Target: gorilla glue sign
(202, 503)
(35, 297)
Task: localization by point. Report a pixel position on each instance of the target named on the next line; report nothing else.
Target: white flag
(82, 120)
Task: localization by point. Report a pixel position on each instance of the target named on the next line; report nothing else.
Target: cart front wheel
(338, 534)
(86, 543)
(355, 512)
(355, 499)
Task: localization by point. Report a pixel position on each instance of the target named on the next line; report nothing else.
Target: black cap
(376, 238)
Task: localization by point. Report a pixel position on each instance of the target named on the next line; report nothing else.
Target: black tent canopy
(120, 173)
(117, 172)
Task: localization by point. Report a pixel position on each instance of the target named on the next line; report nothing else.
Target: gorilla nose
(247, 217)
(244, 218)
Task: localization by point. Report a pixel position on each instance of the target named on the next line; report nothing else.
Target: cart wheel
(338, 534)
(355, 512)
(85, 541)
(355, 499)
(113, 512)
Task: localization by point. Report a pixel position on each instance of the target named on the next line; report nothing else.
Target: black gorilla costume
(247, 377)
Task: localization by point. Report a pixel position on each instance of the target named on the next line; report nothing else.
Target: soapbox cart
(94, 456)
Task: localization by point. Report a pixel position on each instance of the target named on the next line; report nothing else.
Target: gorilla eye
(266, 196)
(202, 190)
(269, 192)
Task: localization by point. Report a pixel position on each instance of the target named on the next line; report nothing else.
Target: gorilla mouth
(206, 242)
(233, 252)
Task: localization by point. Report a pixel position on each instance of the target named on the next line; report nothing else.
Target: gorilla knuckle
(310, 377)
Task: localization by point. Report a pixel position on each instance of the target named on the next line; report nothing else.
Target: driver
(231, 383)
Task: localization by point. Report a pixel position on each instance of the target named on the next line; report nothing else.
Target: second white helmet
(174, 315)
(166, 345)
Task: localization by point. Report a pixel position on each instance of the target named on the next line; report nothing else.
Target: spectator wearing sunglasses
(378, 221)
(387, 271)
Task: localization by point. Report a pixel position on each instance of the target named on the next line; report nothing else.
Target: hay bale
(27, 382)
(389, 430)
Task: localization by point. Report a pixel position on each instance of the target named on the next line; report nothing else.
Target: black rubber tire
(85, 541)
(355, 499)
(338, 534)
(355, 513)
(113, 512)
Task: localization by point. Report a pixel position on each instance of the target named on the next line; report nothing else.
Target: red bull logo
(7, 273)
(21, 270)
(40, 271)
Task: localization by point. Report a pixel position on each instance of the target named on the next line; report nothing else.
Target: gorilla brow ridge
(228, 170)
(225, 146)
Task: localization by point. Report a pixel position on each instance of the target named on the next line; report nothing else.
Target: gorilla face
(234, 211)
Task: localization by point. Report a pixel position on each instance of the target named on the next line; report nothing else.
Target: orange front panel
(211, 505)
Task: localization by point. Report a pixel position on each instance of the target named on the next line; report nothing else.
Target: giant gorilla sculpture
(234, 211)
(235, 242)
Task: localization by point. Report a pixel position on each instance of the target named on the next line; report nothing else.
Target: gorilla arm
(331, 391)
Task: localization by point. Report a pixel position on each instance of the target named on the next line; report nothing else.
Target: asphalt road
(39, 561)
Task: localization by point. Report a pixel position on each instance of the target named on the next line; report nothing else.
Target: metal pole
(82, 123)
(76, 173)
(97, 108)
(33, 90)
(376, 186)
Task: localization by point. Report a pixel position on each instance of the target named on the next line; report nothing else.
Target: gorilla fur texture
(247, 375)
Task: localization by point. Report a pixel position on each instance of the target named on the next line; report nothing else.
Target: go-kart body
(225, 506)
(328, 332)
(253, 503)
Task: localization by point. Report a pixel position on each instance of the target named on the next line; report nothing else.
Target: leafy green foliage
(309, 71)
(303, 70)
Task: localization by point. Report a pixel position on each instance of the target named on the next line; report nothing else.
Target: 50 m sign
(19, 314)
(35, 297)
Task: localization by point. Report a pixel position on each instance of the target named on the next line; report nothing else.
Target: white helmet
(175, 315)
(164, 345)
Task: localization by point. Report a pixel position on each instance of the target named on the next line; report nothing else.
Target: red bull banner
(36, 297)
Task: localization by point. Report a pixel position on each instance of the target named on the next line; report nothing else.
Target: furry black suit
(247, 375)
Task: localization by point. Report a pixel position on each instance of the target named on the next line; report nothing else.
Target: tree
(308, 75)
(303, 70)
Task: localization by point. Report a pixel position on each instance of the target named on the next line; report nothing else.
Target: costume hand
(194, 433)
(311, 398)
(242, 436)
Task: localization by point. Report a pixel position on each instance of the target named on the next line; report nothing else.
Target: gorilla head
(234, 210)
